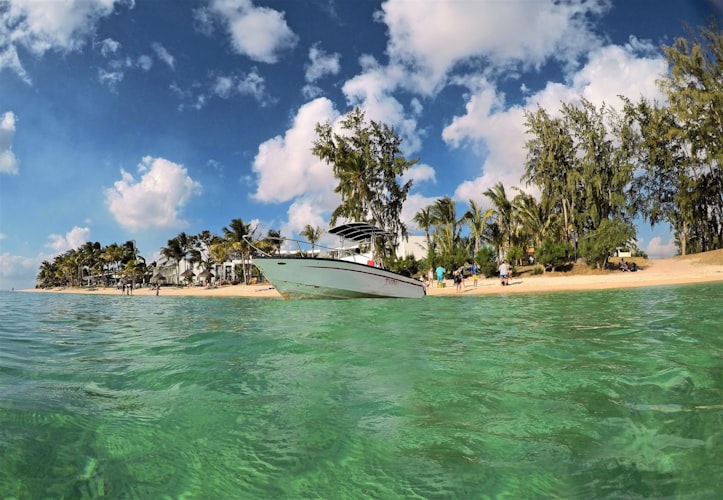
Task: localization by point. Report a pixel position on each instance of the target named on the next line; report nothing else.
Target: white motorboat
(349, 275)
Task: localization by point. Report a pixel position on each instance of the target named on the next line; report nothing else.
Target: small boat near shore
(350, 274)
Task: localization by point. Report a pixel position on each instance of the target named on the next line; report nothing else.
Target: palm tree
(234, 234)
(476, 221)
(503, 211)
(89, 256)
(174, 251)
(312, 235)
(113, 254)
(424, 221)
(444, 217)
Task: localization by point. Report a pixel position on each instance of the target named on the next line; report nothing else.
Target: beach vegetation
(552, 253)
(476, 220)
(175, 252)
(235, 234)
(486, 258)
(368, 165)
(424, 221)
(600, 244)
(679, 146)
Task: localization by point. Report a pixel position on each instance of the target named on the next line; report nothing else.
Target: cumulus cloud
(419, 173)
(284, 164)
(42, 26)
(659, 249)
(74, 238)
(156, 199)
(260, 33)
(373, 90)
(429, 42)
(286, 171)
(321, 64)
(9, 164)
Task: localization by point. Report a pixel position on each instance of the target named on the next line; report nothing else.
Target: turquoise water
(569, 395)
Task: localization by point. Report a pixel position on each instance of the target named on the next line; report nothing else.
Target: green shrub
(486, 258)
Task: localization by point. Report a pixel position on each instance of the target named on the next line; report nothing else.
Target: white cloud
(110, 78)
(9, 164)
(163, 54)
(145, 62)
(285, 166)
(307, 211)
(74, 238)
(251, 84)
(430, 41)
(419, 173)
(372, 90)
(109, 47)
(155, 200)
(321, 64)
(41, 26)
(659, 249)
(259, 33)
(17, 271)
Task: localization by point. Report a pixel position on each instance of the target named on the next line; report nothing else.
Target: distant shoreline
(697, 268)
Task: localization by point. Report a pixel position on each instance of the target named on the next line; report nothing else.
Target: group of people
(458, 275)
(625, 267)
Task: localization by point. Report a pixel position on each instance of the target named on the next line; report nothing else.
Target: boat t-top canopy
(358, 231)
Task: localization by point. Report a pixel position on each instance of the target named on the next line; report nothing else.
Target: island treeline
(597, 170)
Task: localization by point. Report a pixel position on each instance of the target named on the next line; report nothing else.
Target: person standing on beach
(474, 270)
(440, 276)
(430, 276)
(504, 273)
(458, 280)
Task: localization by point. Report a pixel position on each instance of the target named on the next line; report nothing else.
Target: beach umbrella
(157, 278)
(207, 274)
(187, 274)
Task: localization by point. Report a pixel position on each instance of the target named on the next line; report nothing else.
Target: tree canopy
(368, 164)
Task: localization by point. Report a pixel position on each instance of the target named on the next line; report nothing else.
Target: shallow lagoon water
(603, 394)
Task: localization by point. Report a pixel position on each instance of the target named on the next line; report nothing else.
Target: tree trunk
(683, 237)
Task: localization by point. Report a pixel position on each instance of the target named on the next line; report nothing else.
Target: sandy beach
(697, 268)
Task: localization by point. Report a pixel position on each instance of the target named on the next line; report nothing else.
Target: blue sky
(136, 120)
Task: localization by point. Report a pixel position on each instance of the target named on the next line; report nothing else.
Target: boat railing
(302, 252)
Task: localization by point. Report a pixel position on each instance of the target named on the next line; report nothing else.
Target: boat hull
(300, 278)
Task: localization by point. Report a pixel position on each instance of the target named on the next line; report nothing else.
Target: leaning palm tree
(312, 235)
